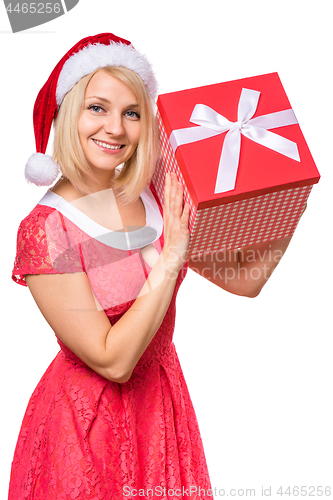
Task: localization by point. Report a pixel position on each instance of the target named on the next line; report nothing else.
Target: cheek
(136, 132)
(86, 127)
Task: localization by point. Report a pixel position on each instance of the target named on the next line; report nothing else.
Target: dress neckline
(118, 239)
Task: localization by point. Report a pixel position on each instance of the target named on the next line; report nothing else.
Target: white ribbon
(212, 123)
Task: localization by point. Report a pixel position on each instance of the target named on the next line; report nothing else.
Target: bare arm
(68, 304)
(244, 271)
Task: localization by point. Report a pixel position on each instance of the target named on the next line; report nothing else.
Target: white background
(259, 370)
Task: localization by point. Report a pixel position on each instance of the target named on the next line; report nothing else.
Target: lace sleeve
(44, 246)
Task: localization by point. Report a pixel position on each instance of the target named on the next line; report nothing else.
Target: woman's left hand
(176, 221)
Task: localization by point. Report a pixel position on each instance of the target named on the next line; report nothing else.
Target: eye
(95, 108)
(133, 114)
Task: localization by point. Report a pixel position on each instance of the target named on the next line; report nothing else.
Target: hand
(176, 219)
(304, 209)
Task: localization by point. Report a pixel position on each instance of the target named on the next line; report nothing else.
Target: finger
(168, 211)
(186, 214)
(304, 209)
(179, 197)
(173, 194)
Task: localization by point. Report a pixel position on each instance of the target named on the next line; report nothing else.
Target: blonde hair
(137, 171)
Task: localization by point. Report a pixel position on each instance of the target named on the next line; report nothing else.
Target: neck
(102, 180)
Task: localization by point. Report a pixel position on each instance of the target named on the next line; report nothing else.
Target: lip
(106, 150)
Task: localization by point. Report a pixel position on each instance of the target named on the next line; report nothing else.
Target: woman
(111, 417)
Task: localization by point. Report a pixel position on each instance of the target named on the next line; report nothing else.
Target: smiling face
(109, 125)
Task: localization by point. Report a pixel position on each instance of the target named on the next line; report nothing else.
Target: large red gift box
(245, 166)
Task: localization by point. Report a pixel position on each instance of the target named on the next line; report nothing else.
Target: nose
(113, 124)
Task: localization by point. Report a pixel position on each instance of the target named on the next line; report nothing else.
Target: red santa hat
(88, 55)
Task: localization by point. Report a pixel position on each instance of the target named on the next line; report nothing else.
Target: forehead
(103, 84)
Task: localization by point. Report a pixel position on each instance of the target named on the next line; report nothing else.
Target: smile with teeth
(107, 146)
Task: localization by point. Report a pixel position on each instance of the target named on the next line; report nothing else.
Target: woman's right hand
(176, 225)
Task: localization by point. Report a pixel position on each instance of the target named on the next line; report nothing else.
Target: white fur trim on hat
(41, 169)
(93, 57)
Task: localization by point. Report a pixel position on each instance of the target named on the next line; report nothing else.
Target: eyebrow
(107, 101)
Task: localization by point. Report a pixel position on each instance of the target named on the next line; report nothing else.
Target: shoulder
(42, 245)
(36, 218)
(31, 243)
(32, 228)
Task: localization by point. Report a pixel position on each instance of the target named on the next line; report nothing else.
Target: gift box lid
(260, 170)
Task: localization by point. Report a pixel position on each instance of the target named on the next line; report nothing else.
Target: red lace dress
(85, 437)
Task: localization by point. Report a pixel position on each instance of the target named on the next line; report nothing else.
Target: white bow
(212, 123)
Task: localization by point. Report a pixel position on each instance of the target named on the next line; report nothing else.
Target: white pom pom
(41, 170)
